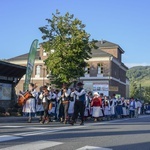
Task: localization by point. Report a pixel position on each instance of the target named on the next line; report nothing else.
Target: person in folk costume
(113, 106)
(119, 108)
(45, 96)
(39, 106)
(139, 106)
(124, 107)
(29, 107)
(128, 106)
(87, 105)
(56, 105)
(52, 101)
(132, 107)
(64, 96)
(79, 105)
(107, 108)
(102, 97)
(71, 104)
(96, 103)
(90, 96)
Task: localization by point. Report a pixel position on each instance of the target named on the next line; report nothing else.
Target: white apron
(97, 112)
(29, 106)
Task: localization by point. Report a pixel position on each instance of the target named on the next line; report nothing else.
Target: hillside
(140, 74)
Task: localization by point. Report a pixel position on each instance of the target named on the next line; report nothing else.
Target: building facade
(105, 72)
(39, 75)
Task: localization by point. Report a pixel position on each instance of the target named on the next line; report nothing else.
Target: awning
(11, 70)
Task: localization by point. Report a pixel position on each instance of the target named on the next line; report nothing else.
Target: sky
(124, 22)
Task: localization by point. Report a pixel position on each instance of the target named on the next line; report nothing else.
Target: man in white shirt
(139, 105)
(79, 105)
(132, 107)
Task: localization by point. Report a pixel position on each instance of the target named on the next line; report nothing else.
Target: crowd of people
(68, 104)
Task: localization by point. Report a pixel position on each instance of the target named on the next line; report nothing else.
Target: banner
(30, 63)
(101, 88)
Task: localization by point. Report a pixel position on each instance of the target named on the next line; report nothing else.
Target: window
(44, 53)
(87, 70)
(100, 69)
(38, 70)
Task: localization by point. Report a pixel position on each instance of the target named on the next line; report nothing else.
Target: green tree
(146, 94)
(133, 89)
(67, 45)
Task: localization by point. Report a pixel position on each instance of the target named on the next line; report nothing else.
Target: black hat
(80, 83)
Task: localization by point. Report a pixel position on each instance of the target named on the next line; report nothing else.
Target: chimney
(102, 41)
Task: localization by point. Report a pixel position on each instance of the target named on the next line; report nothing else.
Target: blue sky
(124, 22)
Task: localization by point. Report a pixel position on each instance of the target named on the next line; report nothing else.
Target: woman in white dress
(107, 112)
(29, 106)
(39, 106)
(113, 107)
(71, 104)
(124, 107)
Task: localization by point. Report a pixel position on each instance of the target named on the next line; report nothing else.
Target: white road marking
(33, 145)
(8, 138)
(12, 126)
(93, 148)
(36, 128)
(47, 131)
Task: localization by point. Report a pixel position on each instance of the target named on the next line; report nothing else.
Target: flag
(30, 63)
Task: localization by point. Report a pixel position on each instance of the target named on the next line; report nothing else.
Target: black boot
(82, 122)
(71, 122)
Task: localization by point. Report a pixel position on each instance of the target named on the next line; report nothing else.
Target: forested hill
(139, 74)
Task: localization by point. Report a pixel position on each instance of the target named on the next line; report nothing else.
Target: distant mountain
(139, 74)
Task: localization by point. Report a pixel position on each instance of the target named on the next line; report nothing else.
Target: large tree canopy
(67, 45)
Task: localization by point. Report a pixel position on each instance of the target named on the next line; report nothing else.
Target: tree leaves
(70, 42)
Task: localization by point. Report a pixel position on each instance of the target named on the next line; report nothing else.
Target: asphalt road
(123, 134)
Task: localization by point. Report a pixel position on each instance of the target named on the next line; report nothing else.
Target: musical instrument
(23, 98)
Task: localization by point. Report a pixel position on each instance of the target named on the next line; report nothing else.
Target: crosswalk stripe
(8, 138)
(93, 148)
(33, 145)
(11, 126)
(47, 131)
(38, 128)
